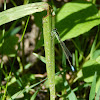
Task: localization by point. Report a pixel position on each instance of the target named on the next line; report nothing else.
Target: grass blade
(21, 11)
(93, 86)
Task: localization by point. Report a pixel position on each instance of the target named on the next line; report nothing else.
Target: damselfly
(64, 48)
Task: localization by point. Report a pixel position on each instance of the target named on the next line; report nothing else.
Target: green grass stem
(49, 54)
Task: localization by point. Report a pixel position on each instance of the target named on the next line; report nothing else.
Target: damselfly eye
(54, 29)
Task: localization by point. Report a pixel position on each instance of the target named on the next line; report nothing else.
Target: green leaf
(96, 54)
(39, 42)
(93, 47)
(98, 94)
(34, 95)
(60, 87)
(21, 11)
(15, 30)
(27, 66)
(93, 86)
(71, 94)
(88, 70)
(76, 18)
(24, 90)
(27, 79)
(40, 57)
(8, 47)
(98, 59)
(58, 84)
(38, 19)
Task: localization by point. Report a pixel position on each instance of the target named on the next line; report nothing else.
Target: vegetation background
(22, 55)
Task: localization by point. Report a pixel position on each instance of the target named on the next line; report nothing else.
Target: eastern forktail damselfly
(64, 48)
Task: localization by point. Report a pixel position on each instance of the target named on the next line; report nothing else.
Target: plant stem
(4, 96)
(49, 53)
(23, 49)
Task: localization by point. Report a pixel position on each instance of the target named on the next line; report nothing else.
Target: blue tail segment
(73, 69)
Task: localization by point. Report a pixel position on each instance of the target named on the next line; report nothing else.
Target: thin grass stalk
(64, 75)
(23, 49)
(12, 1)
(4, 96)
(22, 39)
(49, 54)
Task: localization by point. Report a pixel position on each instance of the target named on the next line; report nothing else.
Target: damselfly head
(54, 30)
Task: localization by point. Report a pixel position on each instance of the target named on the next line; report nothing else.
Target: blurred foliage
(77, 20)
(8, 47)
